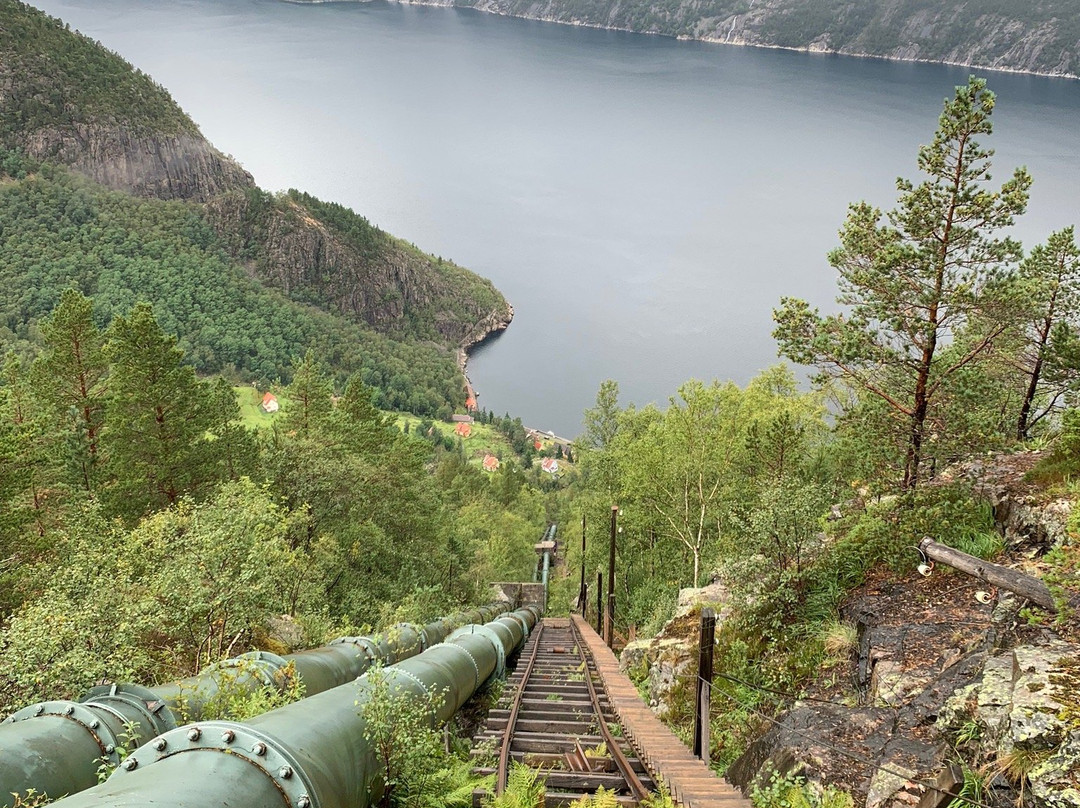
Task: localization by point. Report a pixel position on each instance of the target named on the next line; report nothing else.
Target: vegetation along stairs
(570, 715)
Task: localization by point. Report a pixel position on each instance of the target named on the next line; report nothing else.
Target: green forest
(146, 532)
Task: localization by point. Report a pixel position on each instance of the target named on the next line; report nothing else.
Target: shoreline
(741, 43)
(491, 326)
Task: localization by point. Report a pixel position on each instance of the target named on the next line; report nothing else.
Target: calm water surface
(642, 202)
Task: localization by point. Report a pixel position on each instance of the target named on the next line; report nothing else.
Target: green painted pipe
(56, 748)
(309, 754)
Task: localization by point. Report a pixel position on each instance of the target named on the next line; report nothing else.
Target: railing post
(583, 590)
(609, 624)
(600, 603)
(704, 684)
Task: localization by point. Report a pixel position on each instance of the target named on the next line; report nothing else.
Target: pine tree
(1050, 280)
(913, 282)
(71, 376)
(157, 419)
(310, 396)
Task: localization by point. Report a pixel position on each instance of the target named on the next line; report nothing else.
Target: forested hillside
(1040, 37)
(163, 217)
(144, 531)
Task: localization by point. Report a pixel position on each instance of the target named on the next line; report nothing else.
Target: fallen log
(1026, 586)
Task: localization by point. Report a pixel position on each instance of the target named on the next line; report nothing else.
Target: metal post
(609, 624)
(600, 603)
(704, 684)
(585, 601)
(582, 590)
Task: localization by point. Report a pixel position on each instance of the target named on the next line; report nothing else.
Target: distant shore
(711, 40)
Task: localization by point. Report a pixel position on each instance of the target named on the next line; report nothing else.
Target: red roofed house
(491, 463)
(470, 403)
(269, 403)
(550, 465)
(463, 430)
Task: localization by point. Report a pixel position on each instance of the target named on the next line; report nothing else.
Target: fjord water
(642, 202)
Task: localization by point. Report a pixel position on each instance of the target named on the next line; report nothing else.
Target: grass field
(251, 414)
(483, 439)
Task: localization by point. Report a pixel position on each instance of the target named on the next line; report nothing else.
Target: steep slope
(65, 100)
(1038, 37)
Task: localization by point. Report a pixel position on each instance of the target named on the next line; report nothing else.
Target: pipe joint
(152, 710)
(496, 641)
(366, 645)
(264, 665)
(266, 753)
(85, 716)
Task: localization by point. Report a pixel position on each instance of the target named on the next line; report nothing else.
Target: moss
(1066, 690)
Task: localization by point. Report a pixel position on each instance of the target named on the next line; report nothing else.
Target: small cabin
(269, 403)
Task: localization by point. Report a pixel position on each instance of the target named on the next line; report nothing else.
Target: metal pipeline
(309, 754)
(57, 747)
(550, 536)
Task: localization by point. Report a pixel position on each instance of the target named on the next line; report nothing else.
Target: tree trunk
(1036, 372)
(1027, 586)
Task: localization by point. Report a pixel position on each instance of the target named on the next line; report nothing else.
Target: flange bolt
(194, 734)
(69, 710)
(130, 764)
(303, 802)
(160, 744)
(94, 724)
(40, 709)
(285, 772)
(228, 736)
(259, 749)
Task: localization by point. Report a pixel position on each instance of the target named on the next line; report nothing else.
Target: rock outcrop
(1026, 517)
(663, 662)
(390, 286)
(176, 166)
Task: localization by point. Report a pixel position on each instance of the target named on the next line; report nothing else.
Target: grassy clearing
(483, 439)
(251, 414)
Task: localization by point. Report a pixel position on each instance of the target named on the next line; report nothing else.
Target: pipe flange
(365, 644)
(158, 715)
(261, 749)
(490, 636)
(524, 624)
(81, 714)
(401, 628)
(472, 659)
(263, 664)
(411, 677)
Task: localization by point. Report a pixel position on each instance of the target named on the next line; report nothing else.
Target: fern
(601, 799)
(524, 789)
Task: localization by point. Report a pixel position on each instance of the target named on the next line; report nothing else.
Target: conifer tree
(1050, 282)
(914, 278)
(157, 419)
(310, 396)
(71, 376)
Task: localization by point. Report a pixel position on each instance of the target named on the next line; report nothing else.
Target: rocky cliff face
(177, 166)
(68, 100)
(391, 288)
